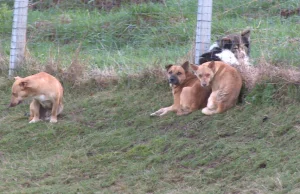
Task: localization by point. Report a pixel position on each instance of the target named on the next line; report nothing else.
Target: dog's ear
(16, 78)
(211, 65)
(246, 33)
(185, 66)
(194, 67)
(168, 66)
(24, 84)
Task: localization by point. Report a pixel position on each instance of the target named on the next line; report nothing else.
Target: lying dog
(218, 54)
(233, 49)
(226, 84)
(47, 94)
(188, 94)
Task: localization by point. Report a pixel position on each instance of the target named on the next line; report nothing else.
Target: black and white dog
(233, 49)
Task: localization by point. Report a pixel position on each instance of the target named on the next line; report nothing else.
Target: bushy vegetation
(5, 20)
(105, 141)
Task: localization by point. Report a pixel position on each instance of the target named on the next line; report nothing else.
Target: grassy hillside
(106, 142)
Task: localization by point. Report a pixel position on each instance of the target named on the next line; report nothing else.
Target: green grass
(106, 142)
(138, 35)
(129, 36)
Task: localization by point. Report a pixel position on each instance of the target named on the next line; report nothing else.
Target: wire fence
(138, 32)
(18, 37)
(203, 30)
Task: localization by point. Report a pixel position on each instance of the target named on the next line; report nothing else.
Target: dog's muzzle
(14, 104)
(173, 80)
(204, 84)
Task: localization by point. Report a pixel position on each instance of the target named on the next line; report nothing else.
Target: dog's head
(236, 42)
(205, 73)
(177, 73)
(20, 91)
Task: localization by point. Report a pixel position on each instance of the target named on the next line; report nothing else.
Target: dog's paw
(34, 120)
(207, 111)
(155, 114)
(161, 111)
(158, 113)
(53, 120)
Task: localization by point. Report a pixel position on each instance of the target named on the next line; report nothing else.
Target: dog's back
(228, 80)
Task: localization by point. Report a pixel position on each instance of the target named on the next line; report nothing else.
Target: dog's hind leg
(55, 111)
(183, 110)
(48, 112)
(34, 111)
(60, 108)
(186, 101)
(221, 107)
(211, 105)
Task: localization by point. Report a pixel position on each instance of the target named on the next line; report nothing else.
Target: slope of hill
(106, 142)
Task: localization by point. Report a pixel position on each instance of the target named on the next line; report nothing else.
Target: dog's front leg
(162, 111)
(210, 109)
(54, 111)
(34, 111)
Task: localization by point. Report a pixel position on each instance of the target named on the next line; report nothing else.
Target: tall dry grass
(79, 73)
(266, 72)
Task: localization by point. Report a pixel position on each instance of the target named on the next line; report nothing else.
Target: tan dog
(187, 92)
(226, 84)
(47, 94)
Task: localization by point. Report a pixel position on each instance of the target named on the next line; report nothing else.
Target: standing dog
(226, 84)
(188, 94)
(47, 94)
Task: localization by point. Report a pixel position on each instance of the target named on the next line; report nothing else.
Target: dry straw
(79, 72)
(266, 72)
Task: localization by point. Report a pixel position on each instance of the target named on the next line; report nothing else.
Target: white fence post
(18, 38)
(203, 29)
